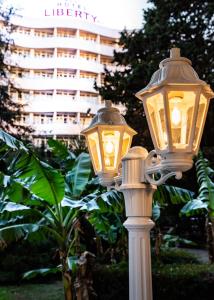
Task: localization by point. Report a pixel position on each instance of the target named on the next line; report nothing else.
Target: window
(65, 33)
(43, 118)
(65, 53)
(88, 56)
(88, 75)
(43, 53)
(43, 33)
(65, 73)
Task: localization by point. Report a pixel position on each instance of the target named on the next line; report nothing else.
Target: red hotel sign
(68, 8)
(68, 12)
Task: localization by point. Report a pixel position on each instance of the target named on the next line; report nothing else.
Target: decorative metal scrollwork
(153, 170)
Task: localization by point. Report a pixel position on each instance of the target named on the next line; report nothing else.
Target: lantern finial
(108, 103)
(175, 53)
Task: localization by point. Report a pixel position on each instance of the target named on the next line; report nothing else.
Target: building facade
(54, 64)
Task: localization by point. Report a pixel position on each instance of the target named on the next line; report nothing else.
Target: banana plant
(167, 195)
(204, 202)
(36, 198)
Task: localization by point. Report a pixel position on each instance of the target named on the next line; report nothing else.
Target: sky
(112, 13)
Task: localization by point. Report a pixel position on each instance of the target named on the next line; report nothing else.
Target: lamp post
(176, 103)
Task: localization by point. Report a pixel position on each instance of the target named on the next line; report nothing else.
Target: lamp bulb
(107, 162)
(176, 116)
(109, 147)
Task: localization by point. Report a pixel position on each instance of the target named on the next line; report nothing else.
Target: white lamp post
(176, 103)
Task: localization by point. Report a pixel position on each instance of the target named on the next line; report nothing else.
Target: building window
(88, 75)
(43, 118)
(43, 33)
(65, 53)
(43, 53)
(65, 33)
(88, 56)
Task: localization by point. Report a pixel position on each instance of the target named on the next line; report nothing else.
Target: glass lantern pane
(126, 143)
(93, 141)
(111, 143)
(155, 107)
(181, 107)
(199, 121)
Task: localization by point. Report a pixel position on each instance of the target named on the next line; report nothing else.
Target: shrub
(177, 275)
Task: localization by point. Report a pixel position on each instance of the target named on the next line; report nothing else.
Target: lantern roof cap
(107, 115)
(175, 70)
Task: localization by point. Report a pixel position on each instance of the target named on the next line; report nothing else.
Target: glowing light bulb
(176, 116)
(109, 147)
(107, 162)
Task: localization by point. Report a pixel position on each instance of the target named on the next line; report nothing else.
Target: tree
(10, 111)
(37, 199)
(204, 203)
(188, 25)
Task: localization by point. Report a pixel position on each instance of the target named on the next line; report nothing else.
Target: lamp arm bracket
(151, 166)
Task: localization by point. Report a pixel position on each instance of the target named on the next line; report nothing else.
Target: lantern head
(109, 139)
(176, 103)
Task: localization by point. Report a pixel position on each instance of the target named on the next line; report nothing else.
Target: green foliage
(54, 204)
(10, 111)
(171, 281)
(61, 155)
(193, 207)
(171, 240)
(188, 281)
(79, 176)
(47, 291)
(34, 175)
(11, 142)
(60, 150)
(205, 198)
(173, 256)
(11, 207)
(166, 196)
(41, 272)
(156, 211)
(172, 194)
(31, 173)
(12, 233)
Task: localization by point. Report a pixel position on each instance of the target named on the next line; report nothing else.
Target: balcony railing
(30, 41)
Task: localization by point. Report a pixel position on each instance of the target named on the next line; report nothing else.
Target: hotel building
(55, 61)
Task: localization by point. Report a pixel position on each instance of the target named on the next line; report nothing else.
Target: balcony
(30, 41)
(60, 103)
(46, 83)
(58, 129)
(76, 63)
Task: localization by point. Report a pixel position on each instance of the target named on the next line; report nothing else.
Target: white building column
(138, 203)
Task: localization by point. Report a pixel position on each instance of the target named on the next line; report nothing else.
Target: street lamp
(109, 139)
(176, 103)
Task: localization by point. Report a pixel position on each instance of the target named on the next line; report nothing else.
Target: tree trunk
(66, 278)
(83, 283)
(210, 238)
(67, 283)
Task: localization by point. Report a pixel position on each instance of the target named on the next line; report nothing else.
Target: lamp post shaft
(140, 276)
(138, 202)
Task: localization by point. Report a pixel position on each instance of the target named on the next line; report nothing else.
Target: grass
(33, 292)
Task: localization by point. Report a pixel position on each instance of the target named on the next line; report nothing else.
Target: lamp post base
(140, 277)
